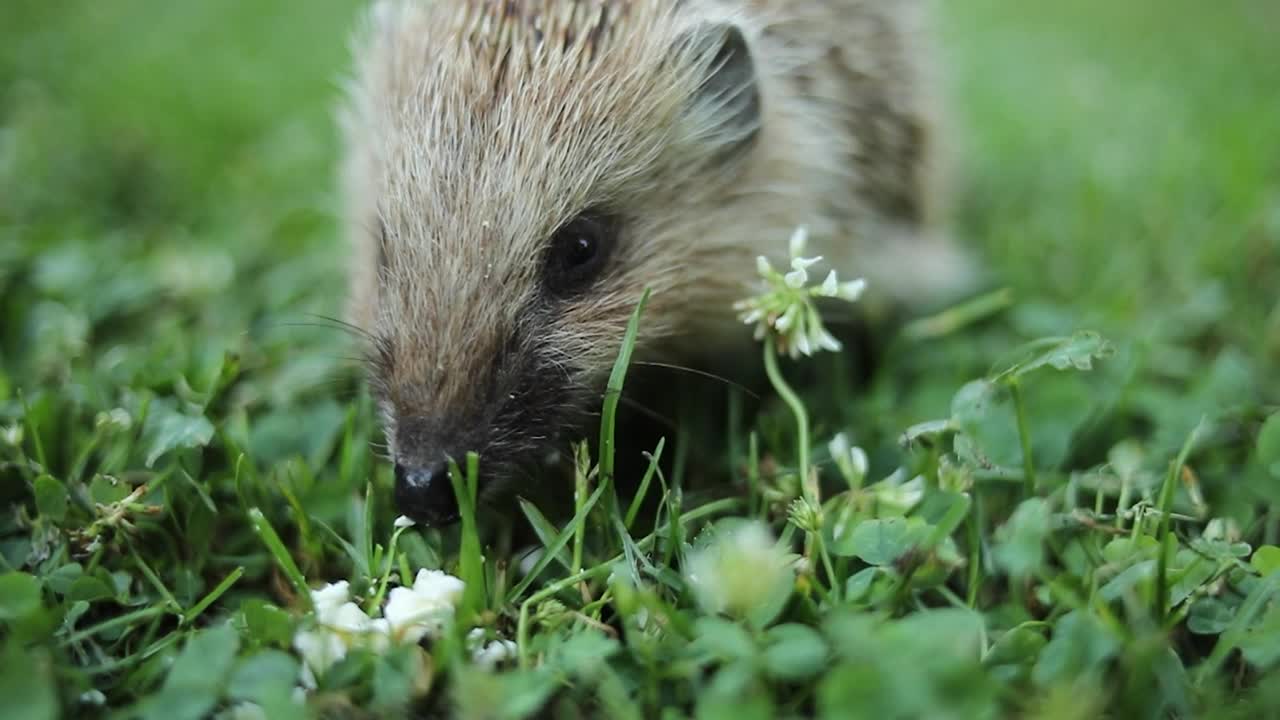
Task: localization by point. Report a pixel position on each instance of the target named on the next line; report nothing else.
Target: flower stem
(793, 401)
(1024, 435)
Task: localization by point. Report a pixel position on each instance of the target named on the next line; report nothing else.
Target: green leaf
(1080, 647)
(51, 498)
(267, 623)
(26, 683)
(206, 659)
(89, 589)
(19, 595)
(395, 676)
(983, 414)
(1210, 616)
(1269, 445)
(723, 639)
(1261, 642)
(194, 683)
(262, 676)
(501, 696)
(584, 654)
(794, 652)
(61, 579)
(881, 541)
(105, 490)
(1021, 644)
(1020, 541)
(1266, 559)
(1076, 352)
(859, 583)
(169, 429)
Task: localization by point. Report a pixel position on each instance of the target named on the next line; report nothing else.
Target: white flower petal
(412, 615)
(762, 265)
(852, 290)
(319, 649)
(349, 618)
(438, 585)
(799, 239)
(802, 344)
(859, 459)
(329, 598)
(825, 340)
(788, 319)
(830, 286)
(802, 263)
(404, 521)
(797, 278)
(494, 653)
(379, 635)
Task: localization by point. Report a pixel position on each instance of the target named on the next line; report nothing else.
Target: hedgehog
(516, 174)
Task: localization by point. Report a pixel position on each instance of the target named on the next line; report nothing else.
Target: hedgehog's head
(519, 173)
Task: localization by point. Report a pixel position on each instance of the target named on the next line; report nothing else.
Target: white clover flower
(490, 655)
(786, 309)
(320, 649)
(12, 435)
(894, 494)
(425, 608)
(495, 653)
(799, 240)
(117, 420)
(329, 598)
(340, 626)
(850, 460)
(740, 571)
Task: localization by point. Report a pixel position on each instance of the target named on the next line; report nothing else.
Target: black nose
(425, 494)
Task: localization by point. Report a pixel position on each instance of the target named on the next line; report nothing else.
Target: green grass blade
(470, 558)
(552, 550)
(643, 490)
(613, 391)
(1163, 532)
(283, 559)
(546, 532)
(212, 596)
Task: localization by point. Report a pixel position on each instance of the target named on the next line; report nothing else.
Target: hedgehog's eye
(579, 250)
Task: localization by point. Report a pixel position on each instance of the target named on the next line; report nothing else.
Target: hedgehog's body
(518, 173)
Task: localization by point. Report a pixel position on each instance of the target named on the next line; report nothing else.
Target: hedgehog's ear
(726, 106)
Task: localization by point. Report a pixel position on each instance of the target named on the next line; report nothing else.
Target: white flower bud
(329, 598)
(852, 290)
(830, 286)
(799, 239)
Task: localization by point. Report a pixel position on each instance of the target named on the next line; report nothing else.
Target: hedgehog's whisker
(350, 327)
(698, 373)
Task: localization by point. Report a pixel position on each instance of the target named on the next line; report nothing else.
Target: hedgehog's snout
(425, 494)
(423, 489)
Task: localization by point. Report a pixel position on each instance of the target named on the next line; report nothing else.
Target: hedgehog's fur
(475, 128)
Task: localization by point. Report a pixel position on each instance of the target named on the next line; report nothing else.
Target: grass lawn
(1071, 500)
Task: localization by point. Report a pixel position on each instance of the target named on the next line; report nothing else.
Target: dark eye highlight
(579, 251)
